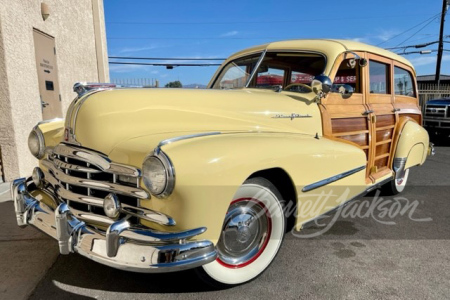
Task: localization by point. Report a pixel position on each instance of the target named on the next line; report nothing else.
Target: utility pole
(445, 4)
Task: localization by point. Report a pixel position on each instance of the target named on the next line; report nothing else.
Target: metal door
(47, 72)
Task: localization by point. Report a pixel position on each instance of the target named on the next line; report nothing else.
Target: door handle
(367, 112)
(396, 110)
(44, 104)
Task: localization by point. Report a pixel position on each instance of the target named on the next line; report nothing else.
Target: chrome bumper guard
(121, 246)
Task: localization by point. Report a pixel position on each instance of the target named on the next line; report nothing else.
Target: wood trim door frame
(344, 120)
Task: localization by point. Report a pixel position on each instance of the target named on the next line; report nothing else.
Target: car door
(383, 115)
(346, 119)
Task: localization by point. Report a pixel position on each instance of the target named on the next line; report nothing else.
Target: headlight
(36, 143)
(158, 174)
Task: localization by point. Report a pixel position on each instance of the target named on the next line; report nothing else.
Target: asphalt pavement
(367, 257)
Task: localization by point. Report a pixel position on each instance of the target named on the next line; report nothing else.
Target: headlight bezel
(37, 133)
(169, 172)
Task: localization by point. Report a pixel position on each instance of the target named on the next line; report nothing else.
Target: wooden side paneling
(415, 117)
(384, 134)
(348, 124)
(381, 163)
(383, 149)
(385, 120)
(360, 139)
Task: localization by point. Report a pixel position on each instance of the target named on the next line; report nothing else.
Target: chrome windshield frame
(260, 61)
(255, 69)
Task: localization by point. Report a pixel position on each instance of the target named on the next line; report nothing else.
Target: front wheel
(252, 234)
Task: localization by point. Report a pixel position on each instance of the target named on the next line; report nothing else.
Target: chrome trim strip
(399, 166)
(329, 180)
(49, 121)
(99, 160)
(369, 189)
(185, 137)
(72, 114)
(99, 185)
(255, 69)
(60, 164)
(143, 213)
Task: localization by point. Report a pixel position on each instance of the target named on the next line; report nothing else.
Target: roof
(432, 77)
(331, 48)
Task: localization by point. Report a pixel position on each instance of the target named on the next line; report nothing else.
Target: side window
(235, 77)
(403, 82)
(236, 73)
(348, 74)
(379, 78)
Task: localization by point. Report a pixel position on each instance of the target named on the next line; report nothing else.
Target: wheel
(252, 234)
(396, 185)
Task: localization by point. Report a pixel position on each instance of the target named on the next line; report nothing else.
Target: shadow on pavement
(77, 272)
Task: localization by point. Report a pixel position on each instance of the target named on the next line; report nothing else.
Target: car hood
(443, 102)
(104, 119)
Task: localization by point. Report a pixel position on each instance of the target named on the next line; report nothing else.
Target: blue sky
(216, 29)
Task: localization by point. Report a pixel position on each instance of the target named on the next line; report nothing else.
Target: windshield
(291, 71)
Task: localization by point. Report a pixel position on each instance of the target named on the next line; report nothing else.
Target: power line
(416, 46)
(413, 46)
(421, 52)
(162, 58)
(256, 22)
(418, 31)
(401, 33)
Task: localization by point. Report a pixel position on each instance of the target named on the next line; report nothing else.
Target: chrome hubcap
(245, 233)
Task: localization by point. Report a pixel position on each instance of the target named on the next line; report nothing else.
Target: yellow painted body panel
(105, 119)
(210, 169)
(53, 132)
(413, 144)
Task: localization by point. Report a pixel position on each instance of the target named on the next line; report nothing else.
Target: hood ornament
(291, 116)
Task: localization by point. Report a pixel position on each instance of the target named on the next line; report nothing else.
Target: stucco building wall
(79, 31)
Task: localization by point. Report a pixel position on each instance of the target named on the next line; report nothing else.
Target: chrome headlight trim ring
(41, 142)
(169, 173)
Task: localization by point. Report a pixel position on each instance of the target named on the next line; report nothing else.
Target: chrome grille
(83, 178)
(436, 111)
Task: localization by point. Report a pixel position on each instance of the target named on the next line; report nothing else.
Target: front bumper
(121, 246)
(436, 123)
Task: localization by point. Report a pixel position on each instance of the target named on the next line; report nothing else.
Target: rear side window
(379, 78)
(403, 82)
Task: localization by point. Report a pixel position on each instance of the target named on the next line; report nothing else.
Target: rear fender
(412, 144)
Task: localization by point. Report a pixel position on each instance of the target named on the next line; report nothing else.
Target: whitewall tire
(396, 185)
(252, 234)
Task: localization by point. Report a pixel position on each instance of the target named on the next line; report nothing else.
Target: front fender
(53, 131)
(210, 169)
(412, 144)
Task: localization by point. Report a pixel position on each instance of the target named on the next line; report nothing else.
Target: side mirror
(321, 85)
(346, 91)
